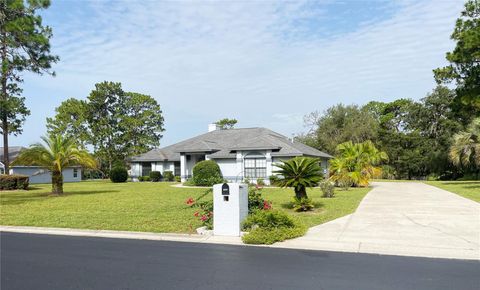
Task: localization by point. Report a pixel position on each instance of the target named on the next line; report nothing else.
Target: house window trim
(255, 157)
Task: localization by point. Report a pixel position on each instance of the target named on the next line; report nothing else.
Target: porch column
(240, 174)
(183, 167)
(268, 157)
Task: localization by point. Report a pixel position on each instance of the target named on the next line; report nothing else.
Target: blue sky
(266, 63)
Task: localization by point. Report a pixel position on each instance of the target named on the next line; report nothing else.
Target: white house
(37, 174)
(241, 153)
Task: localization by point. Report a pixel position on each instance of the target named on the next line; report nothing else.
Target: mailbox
(230, 208)
(225, 189)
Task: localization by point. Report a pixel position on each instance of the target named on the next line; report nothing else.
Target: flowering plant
(256, 201)
(204, 211)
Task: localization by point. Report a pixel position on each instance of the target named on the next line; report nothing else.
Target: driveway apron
(402, 218)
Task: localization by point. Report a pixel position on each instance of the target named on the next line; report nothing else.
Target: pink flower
(204, 218)
(196, 213)
(189, 201)
(267, 205)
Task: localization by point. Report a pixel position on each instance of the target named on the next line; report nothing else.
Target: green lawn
(146, 206)
(468, 189)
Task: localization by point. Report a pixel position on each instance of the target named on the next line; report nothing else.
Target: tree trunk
(300, 192)
(57, 182)
(6, 160)
(4, 118)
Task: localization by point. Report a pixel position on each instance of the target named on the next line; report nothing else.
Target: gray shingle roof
(13, 152)
(221, 143)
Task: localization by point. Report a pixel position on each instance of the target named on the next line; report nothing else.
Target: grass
(326, 209)
(467, 189)
(394, 180)
(145, 206)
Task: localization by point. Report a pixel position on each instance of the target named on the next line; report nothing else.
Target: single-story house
(241, 153)
(37, 174)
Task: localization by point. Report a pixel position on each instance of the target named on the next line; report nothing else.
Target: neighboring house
(37, 174)
(241, 153)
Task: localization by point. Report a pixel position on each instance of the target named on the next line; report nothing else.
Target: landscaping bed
(145, 206)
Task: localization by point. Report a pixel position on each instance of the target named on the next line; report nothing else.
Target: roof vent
(213, 127)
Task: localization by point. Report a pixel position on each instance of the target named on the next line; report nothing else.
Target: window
(255, 166)
(75, 172)
(146, 168)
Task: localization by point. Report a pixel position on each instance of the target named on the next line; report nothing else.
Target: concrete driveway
(402, 218)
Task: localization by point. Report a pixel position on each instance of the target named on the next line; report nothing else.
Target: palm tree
(465, 150)
(55, 155)
(356, 163)
(299, 173)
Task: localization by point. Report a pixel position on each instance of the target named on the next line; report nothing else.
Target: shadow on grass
(24, 196)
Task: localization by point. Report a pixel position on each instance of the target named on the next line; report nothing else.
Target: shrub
(205, 208)
(168, 176)
(178, 179)
(268, 227)
(207, 173)
(260, 182)
(14, 181)
(328, 188)
(256, 201)
(146, 178)
(270, 236)
(246, 181)
(273, 180)
(155, 176)
(140, 178)
(302, 204)
(118, 174)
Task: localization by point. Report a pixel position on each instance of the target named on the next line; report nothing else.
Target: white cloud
(207, 60)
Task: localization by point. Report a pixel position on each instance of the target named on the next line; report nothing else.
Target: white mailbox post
(230, 208)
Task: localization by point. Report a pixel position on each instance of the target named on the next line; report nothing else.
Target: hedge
(207, 173)
(168, 176)
(118, 174)
(14, 181)
(155, 176)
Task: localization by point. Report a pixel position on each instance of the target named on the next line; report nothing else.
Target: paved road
(403, 218)
(30, 261)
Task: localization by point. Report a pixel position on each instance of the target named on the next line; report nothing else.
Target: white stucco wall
(136, 168)
(323, 164)
(39, 175)
(229, 169)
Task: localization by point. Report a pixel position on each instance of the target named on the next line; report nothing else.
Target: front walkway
(402, 218)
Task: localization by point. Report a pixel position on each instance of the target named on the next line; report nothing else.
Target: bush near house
(260, 182)
(178, 179)
(271, 226)
(118, 174)
(207, 173)
(273, 180)
(155, 176)
(14, 181)
(168, 176)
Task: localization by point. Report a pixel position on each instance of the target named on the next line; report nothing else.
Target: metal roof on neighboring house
(223, 144)
(13, 152)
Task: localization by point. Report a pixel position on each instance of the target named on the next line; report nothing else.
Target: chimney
(213, 127)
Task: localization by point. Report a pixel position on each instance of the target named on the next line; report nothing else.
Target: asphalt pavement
(32, 261)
